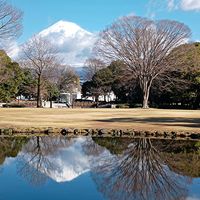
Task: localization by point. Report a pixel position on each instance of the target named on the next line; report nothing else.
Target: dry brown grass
(139, 119)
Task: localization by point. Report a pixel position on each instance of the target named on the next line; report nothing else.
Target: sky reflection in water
(99, 168)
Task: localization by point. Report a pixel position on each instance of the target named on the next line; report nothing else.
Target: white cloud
(8, 161)
(155, 6)
(11, 47)
(190, 5)
(132, 14)
(171, 4)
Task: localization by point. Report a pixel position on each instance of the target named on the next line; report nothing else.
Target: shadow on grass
(167, 121)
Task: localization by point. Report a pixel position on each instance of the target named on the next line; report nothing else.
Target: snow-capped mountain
(73, 43)
(67, 29)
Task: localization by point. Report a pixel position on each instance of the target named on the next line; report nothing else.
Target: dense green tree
(191, 71)
(27, 87)
(184, 90)
(101, 83)
(111, 78)
(122, 85)
(10, 147)
(11, 76)
(52, 92)
(90, 89)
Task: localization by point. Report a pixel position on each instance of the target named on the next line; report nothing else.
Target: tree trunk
(51, 103)
(146, 90)
(50, 99)
(39, 92)
(38, 142)
(196, 103)
(96, 98)
(145, 102)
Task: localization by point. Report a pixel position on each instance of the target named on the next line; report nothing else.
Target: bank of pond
(85, 167)
(99, 132)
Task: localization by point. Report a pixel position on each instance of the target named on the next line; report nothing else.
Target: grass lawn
(139, 119)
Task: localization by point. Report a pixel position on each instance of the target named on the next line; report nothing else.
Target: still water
(59, 168)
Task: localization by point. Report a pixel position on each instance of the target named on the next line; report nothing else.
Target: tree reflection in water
(141, 169)
(92, 149)
(10, 147)
(35, 163)
(141, 172)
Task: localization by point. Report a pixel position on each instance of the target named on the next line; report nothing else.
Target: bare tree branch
(40, 56)
(10, 21)
(92, 65)
(143, 45)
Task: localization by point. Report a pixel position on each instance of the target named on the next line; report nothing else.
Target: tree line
(178, 89)
(147, 62)
(40, 80)
(39, 73)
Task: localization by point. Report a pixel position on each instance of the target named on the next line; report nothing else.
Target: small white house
(108, 97)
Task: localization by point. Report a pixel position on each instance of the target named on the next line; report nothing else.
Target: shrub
(13, 105)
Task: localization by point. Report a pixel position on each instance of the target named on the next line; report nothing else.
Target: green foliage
(125, 105)
(10, 147)
(11, 76)
(197, 144)
(106, 80)
(27, 87)
(14, 105)
(103, 77)
(115, 145)
(52, 91)
(86, 88)
(185, 92)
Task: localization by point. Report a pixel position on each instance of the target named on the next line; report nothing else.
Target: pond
(99, 168)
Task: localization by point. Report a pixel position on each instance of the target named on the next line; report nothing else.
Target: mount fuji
(73, 43)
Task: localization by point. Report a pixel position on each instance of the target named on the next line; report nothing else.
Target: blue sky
(95, 15)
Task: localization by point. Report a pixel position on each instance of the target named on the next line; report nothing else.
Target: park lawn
(138, 119)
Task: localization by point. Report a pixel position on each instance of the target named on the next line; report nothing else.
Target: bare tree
(90, 148)
(68, 80)
(34, 163)
(143, 45)
(40, 56)
(10, 21)
(92, 66)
